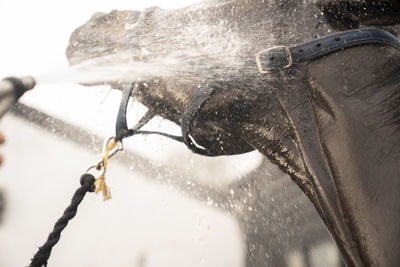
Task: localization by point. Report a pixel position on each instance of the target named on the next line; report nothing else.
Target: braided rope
(41, 257)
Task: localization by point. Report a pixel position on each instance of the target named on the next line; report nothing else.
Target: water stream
(198, 49)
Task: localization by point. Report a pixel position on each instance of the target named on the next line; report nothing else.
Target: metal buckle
(288, 55)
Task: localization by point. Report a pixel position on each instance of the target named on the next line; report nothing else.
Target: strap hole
(318, 45)
(337, 39)
(271, 58)
(301, 51)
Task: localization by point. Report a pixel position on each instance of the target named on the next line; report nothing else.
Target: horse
(332, 124)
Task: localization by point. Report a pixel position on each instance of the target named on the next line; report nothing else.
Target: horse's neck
(358, 121)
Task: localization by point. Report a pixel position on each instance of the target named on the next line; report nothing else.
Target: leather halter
(269, 60)
(280, 57)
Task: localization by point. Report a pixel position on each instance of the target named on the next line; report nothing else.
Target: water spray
(11, 89)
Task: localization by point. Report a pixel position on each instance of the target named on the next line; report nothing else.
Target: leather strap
(121, 128)
(192, 109)
(280, 57)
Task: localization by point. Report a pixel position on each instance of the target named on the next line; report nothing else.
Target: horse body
(332, 124)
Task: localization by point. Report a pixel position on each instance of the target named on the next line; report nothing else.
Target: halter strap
(121, 128)
(192, 109)
(268, 60)
(280, 57)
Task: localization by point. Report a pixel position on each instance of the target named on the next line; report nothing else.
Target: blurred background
(169, 207)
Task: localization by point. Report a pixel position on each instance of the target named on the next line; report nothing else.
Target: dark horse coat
(332, 124)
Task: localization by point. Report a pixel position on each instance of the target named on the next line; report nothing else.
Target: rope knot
(87, 181)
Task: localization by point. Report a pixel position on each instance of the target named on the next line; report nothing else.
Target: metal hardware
(288, 55)
(112, 146)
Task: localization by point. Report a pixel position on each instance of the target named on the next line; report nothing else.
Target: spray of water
(192, 50)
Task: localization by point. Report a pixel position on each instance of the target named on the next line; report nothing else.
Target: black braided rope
(42, 256)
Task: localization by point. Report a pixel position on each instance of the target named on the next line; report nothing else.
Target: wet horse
(332, 124)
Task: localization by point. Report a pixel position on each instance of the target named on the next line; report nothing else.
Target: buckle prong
(288, 55)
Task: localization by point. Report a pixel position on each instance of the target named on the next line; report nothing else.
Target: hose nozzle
(18, 86)
(11, 89)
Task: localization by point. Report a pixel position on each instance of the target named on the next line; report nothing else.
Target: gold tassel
(100, 182)
(101, 185)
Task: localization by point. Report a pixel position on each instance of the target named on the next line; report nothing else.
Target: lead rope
(113, 145)
(91, 184)
(88, 184)
(42, 256)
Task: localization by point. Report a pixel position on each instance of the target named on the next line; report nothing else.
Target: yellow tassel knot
(101, 185)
